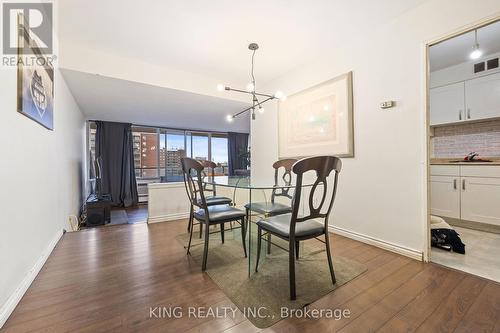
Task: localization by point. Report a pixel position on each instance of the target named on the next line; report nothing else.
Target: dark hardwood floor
(137, 214)
(106, 280)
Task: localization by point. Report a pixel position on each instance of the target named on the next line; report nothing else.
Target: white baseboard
(11, 303)
(168, 217)
(414, 254)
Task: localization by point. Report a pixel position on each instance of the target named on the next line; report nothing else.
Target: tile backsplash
(459, 140)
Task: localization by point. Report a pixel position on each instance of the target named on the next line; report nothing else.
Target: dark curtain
(114, 144)
(238, 151)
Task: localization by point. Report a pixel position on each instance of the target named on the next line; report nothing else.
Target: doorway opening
(463, 94)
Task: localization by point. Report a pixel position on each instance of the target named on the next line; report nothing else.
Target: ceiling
(211, 37)
(105, 98)
(456, 50)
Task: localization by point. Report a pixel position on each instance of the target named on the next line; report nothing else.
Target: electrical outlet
(387, 104)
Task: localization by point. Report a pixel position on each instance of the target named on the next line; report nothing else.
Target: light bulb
(250, 87)
(261, 109)
(220, 87)
(476, 52)
(280, 95)
(229, 118)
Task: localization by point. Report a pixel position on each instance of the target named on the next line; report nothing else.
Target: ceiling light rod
(251, 90)
(248, 92)
(251, 107)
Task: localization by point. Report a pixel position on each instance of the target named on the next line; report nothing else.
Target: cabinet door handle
(468, 113)
(463, 184)
(459, 114)
(454, 184)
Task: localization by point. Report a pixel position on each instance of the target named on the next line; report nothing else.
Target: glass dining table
(248, 191)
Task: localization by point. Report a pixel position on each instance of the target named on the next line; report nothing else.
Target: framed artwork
(318, 120)
(35, 80)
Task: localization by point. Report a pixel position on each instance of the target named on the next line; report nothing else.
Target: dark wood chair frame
(211, 166)
(287, 164)
(323, 165)
(194, 188)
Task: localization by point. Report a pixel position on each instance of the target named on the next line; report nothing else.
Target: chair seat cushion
(280, 225)
(219, 213)
(268, 208)
(216, 200)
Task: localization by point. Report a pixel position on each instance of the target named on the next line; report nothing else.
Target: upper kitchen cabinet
(447, 104)
(482, 97)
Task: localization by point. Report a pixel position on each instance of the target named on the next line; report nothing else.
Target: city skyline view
(200, 146)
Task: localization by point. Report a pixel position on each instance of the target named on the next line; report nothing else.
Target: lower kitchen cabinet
(445, 196)
(480, 200)
(470, 193)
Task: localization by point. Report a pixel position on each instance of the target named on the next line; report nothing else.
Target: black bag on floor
(447, 239)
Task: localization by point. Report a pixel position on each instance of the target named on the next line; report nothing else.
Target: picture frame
(318, 120)
(35, 80)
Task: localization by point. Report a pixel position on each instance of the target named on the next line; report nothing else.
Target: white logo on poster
(38, 94)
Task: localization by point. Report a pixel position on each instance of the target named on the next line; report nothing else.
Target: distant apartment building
(173, 170)
(146, 154)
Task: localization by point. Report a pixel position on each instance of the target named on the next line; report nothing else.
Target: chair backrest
(287, 177)
(211, 167)
(192, 171)
(323, 166)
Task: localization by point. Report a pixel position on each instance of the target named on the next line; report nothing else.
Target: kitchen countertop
(447, 161)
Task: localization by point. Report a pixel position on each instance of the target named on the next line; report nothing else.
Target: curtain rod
(172, 128)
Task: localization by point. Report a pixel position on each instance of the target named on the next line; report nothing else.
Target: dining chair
(205, 214)
(274, 208)
(294, 229)
(212, 200)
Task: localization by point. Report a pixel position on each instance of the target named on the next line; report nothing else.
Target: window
(91, 146)
(146, 152)
(199, 146)
(219, 153)
(175, 150)
(158, 153)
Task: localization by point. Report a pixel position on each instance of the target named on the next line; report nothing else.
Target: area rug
(264, 297)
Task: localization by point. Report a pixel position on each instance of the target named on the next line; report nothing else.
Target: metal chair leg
(205, 250)
(259, 245)
(201, 229)
(190, 237)
(328, 254)
(291, 269)
(247, 217)
(297, 244)
(222, 228)
(243, 236)
(269, 243)
(190, 223)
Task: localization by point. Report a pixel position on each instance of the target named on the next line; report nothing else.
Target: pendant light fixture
(476, 52)
(250, 89)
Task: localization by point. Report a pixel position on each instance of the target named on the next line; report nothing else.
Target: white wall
(40, 183)
(382, 190)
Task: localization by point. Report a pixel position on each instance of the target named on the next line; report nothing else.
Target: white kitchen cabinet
(445, 196)
(447, 104)
(467, 192)
(482, 97)
(480, 199)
